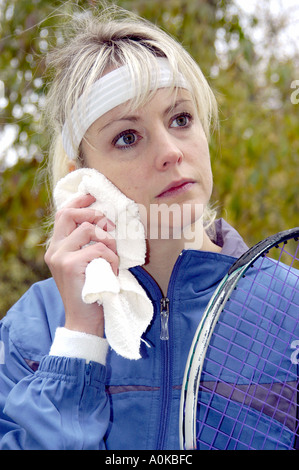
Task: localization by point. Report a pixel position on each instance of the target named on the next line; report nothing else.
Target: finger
(74, 264)
(85, 201)
(68, 219)
(87, 233)
(82, 246)
(82, 201)
(106, 224)
(106, 238)
(100, 250)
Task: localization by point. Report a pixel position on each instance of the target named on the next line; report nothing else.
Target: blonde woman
(128, 101)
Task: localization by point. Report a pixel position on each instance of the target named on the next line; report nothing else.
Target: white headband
(110, 91)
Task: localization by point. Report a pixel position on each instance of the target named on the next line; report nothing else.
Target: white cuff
(80, 345)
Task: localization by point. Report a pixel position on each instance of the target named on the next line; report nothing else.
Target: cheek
(201, 158)
(137, 193)
(202, 166)
(131, 183)
(208, 180)
(122, 176)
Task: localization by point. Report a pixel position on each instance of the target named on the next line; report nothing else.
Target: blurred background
(249, 51)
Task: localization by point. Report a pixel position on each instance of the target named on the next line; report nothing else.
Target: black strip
(263, 246)
(276, 400)
(113, 389)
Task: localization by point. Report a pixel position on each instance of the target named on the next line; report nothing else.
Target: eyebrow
(134, 118)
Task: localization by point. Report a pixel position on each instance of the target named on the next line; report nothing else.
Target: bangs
(145, 74)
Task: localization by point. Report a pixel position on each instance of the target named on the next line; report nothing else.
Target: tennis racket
(240, 387)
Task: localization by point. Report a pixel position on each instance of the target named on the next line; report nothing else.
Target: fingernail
(110, 225)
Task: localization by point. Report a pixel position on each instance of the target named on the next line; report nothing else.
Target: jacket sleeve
(62, 405)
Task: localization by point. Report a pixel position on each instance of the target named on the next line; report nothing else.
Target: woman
(151, 142)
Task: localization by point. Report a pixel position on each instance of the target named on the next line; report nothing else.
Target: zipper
(87, 373)
(165, 372)
(166, 358)
(166, 353)
(164, 315)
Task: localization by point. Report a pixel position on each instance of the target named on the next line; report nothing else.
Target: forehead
(162, 101)
(163, 97)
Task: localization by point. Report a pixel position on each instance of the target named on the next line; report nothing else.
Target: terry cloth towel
(127, 309)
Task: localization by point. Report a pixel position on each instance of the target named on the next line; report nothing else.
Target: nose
(168, 152)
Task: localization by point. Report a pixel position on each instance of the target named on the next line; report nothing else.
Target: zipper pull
(164, 312)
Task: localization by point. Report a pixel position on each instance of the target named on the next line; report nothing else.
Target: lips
(176, 187)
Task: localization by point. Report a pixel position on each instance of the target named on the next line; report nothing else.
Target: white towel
(127, 309)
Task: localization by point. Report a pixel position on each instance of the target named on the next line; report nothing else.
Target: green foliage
(22, 217)
(256, 164)
(255, 156)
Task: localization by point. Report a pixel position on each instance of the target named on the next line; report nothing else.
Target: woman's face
(156, 155)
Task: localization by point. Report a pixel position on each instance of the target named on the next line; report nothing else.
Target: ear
(72, 166)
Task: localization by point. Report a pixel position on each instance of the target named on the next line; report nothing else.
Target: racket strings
(248, 393)
(265, 399)
(275, 402)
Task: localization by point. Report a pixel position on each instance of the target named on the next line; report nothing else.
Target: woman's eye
(183, 120)
(125, 139)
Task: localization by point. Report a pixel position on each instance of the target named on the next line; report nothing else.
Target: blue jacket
(51, 402)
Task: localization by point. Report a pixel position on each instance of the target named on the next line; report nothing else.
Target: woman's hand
(69, 252)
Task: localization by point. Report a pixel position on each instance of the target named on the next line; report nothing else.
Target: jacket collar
(225, 236)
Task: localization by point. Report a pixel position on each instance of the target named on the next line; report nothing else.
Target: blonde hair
(113, 37)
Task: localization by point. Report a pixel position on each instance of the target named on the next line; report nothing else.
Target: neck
(162, 255)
